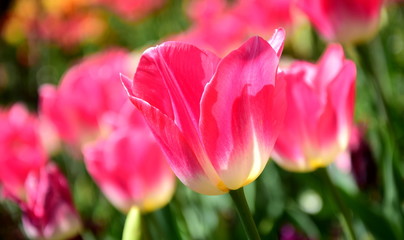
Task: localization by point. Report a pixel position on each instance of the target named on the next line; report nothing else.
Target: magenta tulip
(129, 166)
(345, 21)
(86, 93)
(220, 26)
(48, 211)
(21, 150)
(320, 109)
(216, 119)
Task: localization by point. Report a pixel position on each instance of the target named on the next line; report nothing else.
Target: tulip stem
(244, 213)
(131, 230)
(345, 216)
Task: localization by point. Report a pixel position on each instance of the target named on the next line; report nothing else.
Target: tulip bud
(48, 211)
(345, 21)
(129, 166)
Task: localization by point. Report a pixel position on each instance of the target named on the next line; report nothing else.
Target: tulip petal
(277, 41)
(240, 125)
(48, 106)
(315, 12)
(329, 66)
(342, 92)
(129, 167)
(180, 155)
(298, 126)
(171, 77)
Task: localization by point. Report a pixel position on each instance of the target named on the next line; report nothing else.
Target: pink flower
(216, 119)
(48, 211)
(218, 34)
(76, 28)
(21, 151)
(345, 21)
(86, 93)
(264, 15)
(220, 26)
(320, 109)
(129, 166)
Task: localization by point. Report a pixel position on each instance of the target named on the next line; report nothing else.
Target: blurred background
(41, 39)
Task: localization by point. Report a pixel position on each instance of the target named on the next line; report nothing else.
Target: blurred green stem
(372, 59)
(365, 59)
(244, 213)
(131, 230)
(345, 217)
(172, 222)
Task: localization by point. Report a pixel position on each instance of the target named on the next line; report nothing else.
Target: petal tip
(127, 84)
(277, 40)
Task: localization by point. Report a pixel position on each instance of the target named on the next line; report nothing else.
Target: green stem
(172, 222)
(345, 216)
(244, 213)
(374, 64)
(146, 224)
(131, 230)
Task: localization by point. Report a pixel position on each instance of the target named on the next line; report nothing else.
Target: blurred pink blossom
(221, 26)
(320, 111)
(129, 166)
(345, 21)
(88, 93)
(48, 211)
(71, 30)
(21, 150)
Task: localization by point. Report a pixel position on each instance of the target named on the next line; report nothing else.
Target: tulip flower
(345, 21)
(262, 15)
(20, 147)
(48, 211)
(216, 119)
(86, 93)
(320, 109)
(221, 26)
(129, 166)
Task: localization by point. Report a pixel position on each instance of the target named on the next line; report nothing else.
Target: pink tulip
(21, 151)
(345, 21)
(48, 211)
(220, 26)
(320, 109)
(129, 166)
(218, 34)
(264, 15)
(86, 93)
(216, 119)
